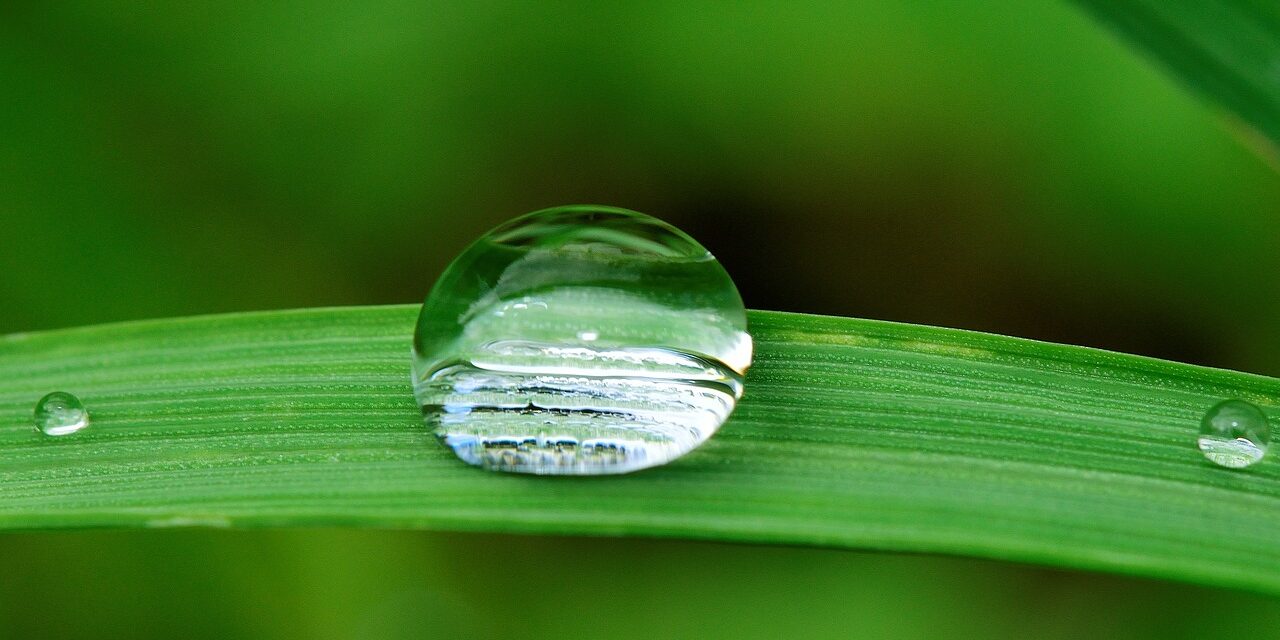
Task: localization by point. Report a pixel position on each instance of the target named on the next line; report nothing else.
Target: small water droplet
(1234, 434)
(580, 340)
(60, 414)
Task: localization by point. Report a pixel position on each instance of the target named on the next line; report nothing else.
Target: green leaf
(852, 433)
(1228, 50)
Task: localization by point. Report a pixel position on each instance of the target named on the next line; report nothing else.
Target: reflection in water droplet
(60, 414)
(1234, 434)
(580, 340)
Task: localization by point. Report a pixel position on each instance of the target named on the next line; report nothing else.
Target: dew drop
(60, 414)
(580, 340)
(1234, 434)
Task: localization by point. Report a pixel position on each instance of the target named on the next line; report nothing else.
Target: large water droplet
(580, 340)
(1234, 434)
(60, 414)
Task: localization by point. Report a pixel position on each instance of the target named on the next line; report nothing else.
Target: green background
(1006, 166)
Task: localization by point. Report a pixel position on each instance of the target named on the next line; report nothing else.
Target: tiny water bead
(60, 414)
(580, 340)
(1234, 434)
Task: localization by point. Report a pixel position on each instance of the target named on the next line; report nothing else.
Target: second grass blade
(1226, 50)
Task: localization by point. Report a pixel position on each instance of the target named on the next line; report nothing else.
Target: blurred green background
(1003, 166)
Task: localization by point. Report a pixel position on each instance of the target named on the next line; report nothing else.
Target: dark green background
(1006, 166)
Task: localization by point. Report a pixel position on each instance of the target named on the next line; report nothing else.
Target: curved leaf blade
(853, 433)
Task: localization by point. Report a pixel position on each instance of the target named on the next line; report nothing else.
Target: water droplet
(580, 340)
(60, 414)
(1234, 434)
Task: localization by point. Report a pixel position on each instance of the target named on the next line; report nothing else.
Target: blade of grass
(1228, 51)
(852, 433)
